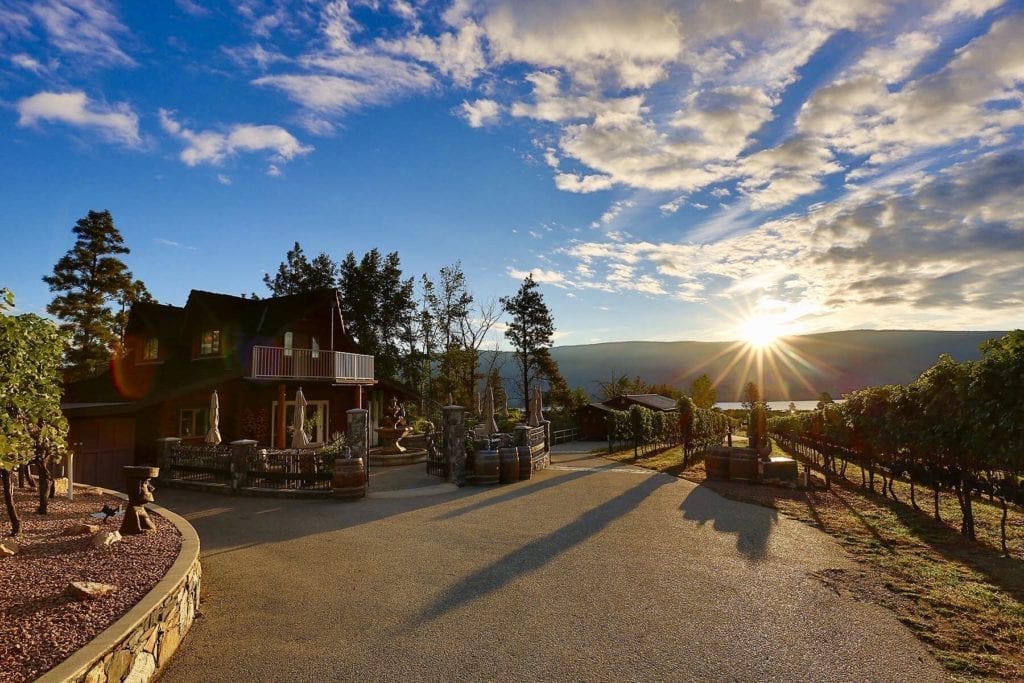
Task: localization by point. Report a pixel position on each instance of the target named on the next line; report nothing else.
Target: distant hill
(801, 368)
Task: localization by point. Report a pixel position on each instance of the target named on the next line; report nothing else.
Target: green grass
(962, 598)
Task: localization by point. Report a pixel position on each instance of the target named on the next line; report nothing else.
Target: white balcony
(275, 362)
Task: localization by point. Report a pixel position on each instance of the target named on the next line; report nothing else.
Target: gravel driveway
(590, 571)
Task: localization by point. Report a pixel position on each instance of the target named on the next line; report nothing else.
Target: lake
(773, 405)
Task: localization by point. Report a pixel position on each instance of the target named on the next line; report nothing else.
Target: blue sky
(667, 170)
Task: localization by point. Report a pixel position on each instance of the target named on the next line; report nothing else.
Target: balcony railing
(275, 362)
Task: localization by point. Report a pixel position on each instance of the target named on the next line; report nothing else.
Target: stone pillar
(357, 433)
(164, 447)
(454, 443)
(240, 452)
(521, 436)
(546, 424)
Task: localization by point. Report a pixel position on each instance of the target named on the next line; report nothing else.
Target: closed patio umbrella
(490, 426)
(213, 420)
(299, 438)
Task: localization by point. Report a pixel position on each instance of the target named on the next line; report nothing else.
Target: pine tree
(89, 279)
(297, 274)
(530, 330)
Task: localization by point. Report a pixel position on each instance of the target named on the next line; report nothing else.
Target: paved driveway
(590, 571)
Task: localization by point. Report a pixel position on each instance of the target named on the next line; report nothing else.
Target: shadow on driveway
(752, 524)
(536, 554)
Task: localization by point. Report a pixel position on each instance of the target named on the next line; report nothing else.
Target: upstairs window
(210, 344)
(151, 351)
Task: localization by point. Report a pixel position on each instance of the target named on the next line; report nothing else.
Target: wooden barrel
(716, 466)
(508, 459)
(485, 468)
(525, 463)
(743, 468)
(348, 479)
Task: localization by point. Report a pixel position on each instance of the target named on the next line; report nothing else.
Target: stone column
(521, 436)
(164, 447)
(357, 434)
(454, 443)
(240, 452)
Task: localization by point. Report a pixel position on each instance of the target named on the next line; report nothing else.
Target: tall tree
(530, 330)
(298, 274)
(31, 423)
(703, 393)
(89, 279)
(379, 307)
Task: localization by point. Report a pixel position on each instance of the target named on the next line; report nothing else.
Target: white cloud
(582, 184)
(116, 123)
(26, 62)
(86, 29)
(480, 113)
(192, 7)
(671, 207)
(458, 56)
(223, 179)
(213, 147)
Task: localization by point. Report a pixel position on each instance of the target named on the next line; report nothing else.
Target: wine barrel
(508, 459)
(348, 479)
(485, 468)
(525, 463)
(716, 465)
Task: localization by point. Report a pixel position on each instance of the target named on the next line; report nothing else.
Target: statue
(140, 491)
(395, 417)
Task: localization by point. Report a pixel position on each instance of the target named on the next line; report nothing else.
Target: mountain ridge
(796, 367)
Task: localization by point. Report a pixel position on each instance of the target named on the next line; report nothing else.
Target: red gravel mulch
(42, 625)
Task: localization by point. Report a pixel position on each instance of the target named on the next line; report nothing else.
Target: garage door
(104, 446)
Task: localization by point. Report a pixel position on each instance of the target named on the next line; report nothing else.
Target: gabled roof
(255, 317)
(652, 401)
(599, 406)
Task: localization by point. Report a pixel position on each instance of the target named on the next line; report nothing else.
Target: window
(191, 422)
(210, 344)
(151, 351)
(288, 341)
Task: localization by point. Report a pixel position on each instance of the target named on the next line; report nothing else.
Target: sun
(761, 331)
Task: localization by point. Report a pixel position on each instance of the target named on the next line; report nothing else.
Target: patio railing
(276, 362)
(250, 469)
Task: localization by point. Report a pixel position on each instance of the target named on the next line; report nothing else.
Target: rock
(105, 539)
(8, 548)
(60, 486)
(79, 529)
(89, 590)
(142, 669)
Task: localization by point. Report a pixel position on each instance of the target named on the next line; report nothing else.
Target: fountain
(393, 429)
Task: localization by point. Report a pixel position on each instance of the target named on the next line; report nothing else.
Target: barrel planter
(508, 460)
(485, 468)
(348, 479)
(525, 463)
(743, 468)
(716, 465)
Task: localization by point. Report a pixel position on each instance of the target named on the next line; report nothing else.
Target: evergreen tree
(703, 393)
(530, 330)
(90, 278)
(298, 274)
(380, 307)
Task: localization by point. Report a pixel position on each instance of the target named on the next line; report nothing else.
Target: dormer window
(151, 350)
(210, 343)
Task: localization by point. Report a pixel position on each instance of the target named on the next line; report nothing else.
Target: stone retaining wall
(141, 642)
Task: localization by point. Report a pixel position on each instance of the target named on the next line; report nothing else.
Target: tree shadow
(752, 524)
(540, 552)
(522, 489)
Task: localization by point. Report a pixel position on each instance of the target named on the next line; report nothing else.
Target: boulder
(89, 590)
(79, 529)
(105, 539)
